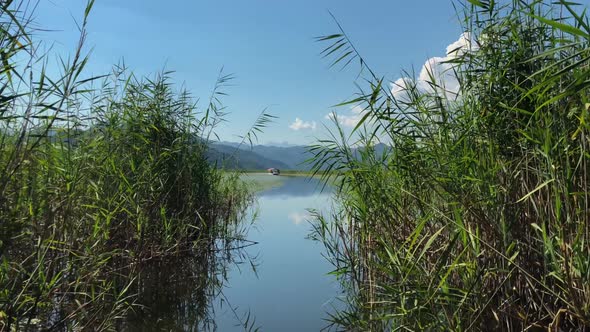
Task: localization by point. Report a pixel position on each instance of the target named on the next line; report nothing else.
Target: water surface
(290, 290)
(275, 281)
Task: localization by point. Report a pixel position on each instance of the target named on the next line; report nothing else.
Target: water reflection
(275, 281)
(295, 186)
(178, 294)
(299, 218)
(291, 291)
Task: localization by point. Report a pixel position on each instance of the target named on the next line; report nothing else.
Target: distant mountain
(285, 157)
(293, 156)
(234, 155)
(231, 158)
(378, 149)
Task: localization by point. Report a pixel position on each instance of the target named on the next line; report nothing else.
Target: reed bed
(102, 177)
(477, 216)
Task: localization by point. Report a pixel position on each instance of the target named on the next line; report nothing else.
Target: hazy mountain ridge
(261, 157)
(233, 155)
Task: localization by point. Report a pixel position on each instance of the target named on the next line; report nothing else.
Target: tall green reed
(476, 218)
(102, 177)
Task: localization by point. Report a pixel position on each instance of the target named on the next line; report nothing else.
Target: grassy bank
(261, 180)
(477, 219)
(283, 172)
(309, 174)
(101, 177)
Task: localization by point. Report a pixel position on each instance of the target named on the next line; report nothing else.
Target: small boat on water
(274, 171)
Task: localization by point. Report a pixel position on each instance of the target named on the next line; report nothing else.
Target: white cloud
(437, 73)
(299, 218)
(300, 125)
(348, 120)
(401, 89)
(462, 45)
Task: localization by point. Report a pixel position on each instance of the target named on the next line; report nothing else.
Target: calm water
(279, 283)
(290, 290)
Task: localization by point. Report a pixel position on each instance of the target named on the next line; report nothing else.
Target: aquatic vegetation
(102, 177)
(477, 217)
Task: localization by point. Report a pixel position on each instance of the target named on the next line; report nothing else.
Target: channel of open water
(289, 289)
(275, 280)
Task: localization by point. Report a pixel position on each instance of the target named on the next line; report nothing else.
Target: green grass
(262, 181)
(477, 219)
(290, 173)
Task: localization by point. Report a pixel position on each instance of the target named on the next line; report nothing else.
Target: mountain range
(232, 155)
(235, 156)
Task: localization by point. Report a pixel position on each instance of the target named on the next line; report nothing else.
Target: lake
(276, 281)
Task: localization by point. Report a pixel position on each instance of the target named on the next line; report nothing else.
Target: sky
(268, 45)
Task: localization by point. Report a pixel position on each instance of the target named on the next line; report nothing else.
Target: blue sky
(268, 45)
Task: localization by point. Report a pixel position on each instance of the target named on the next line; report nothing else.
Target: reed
(101, 178)
(477, 217)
